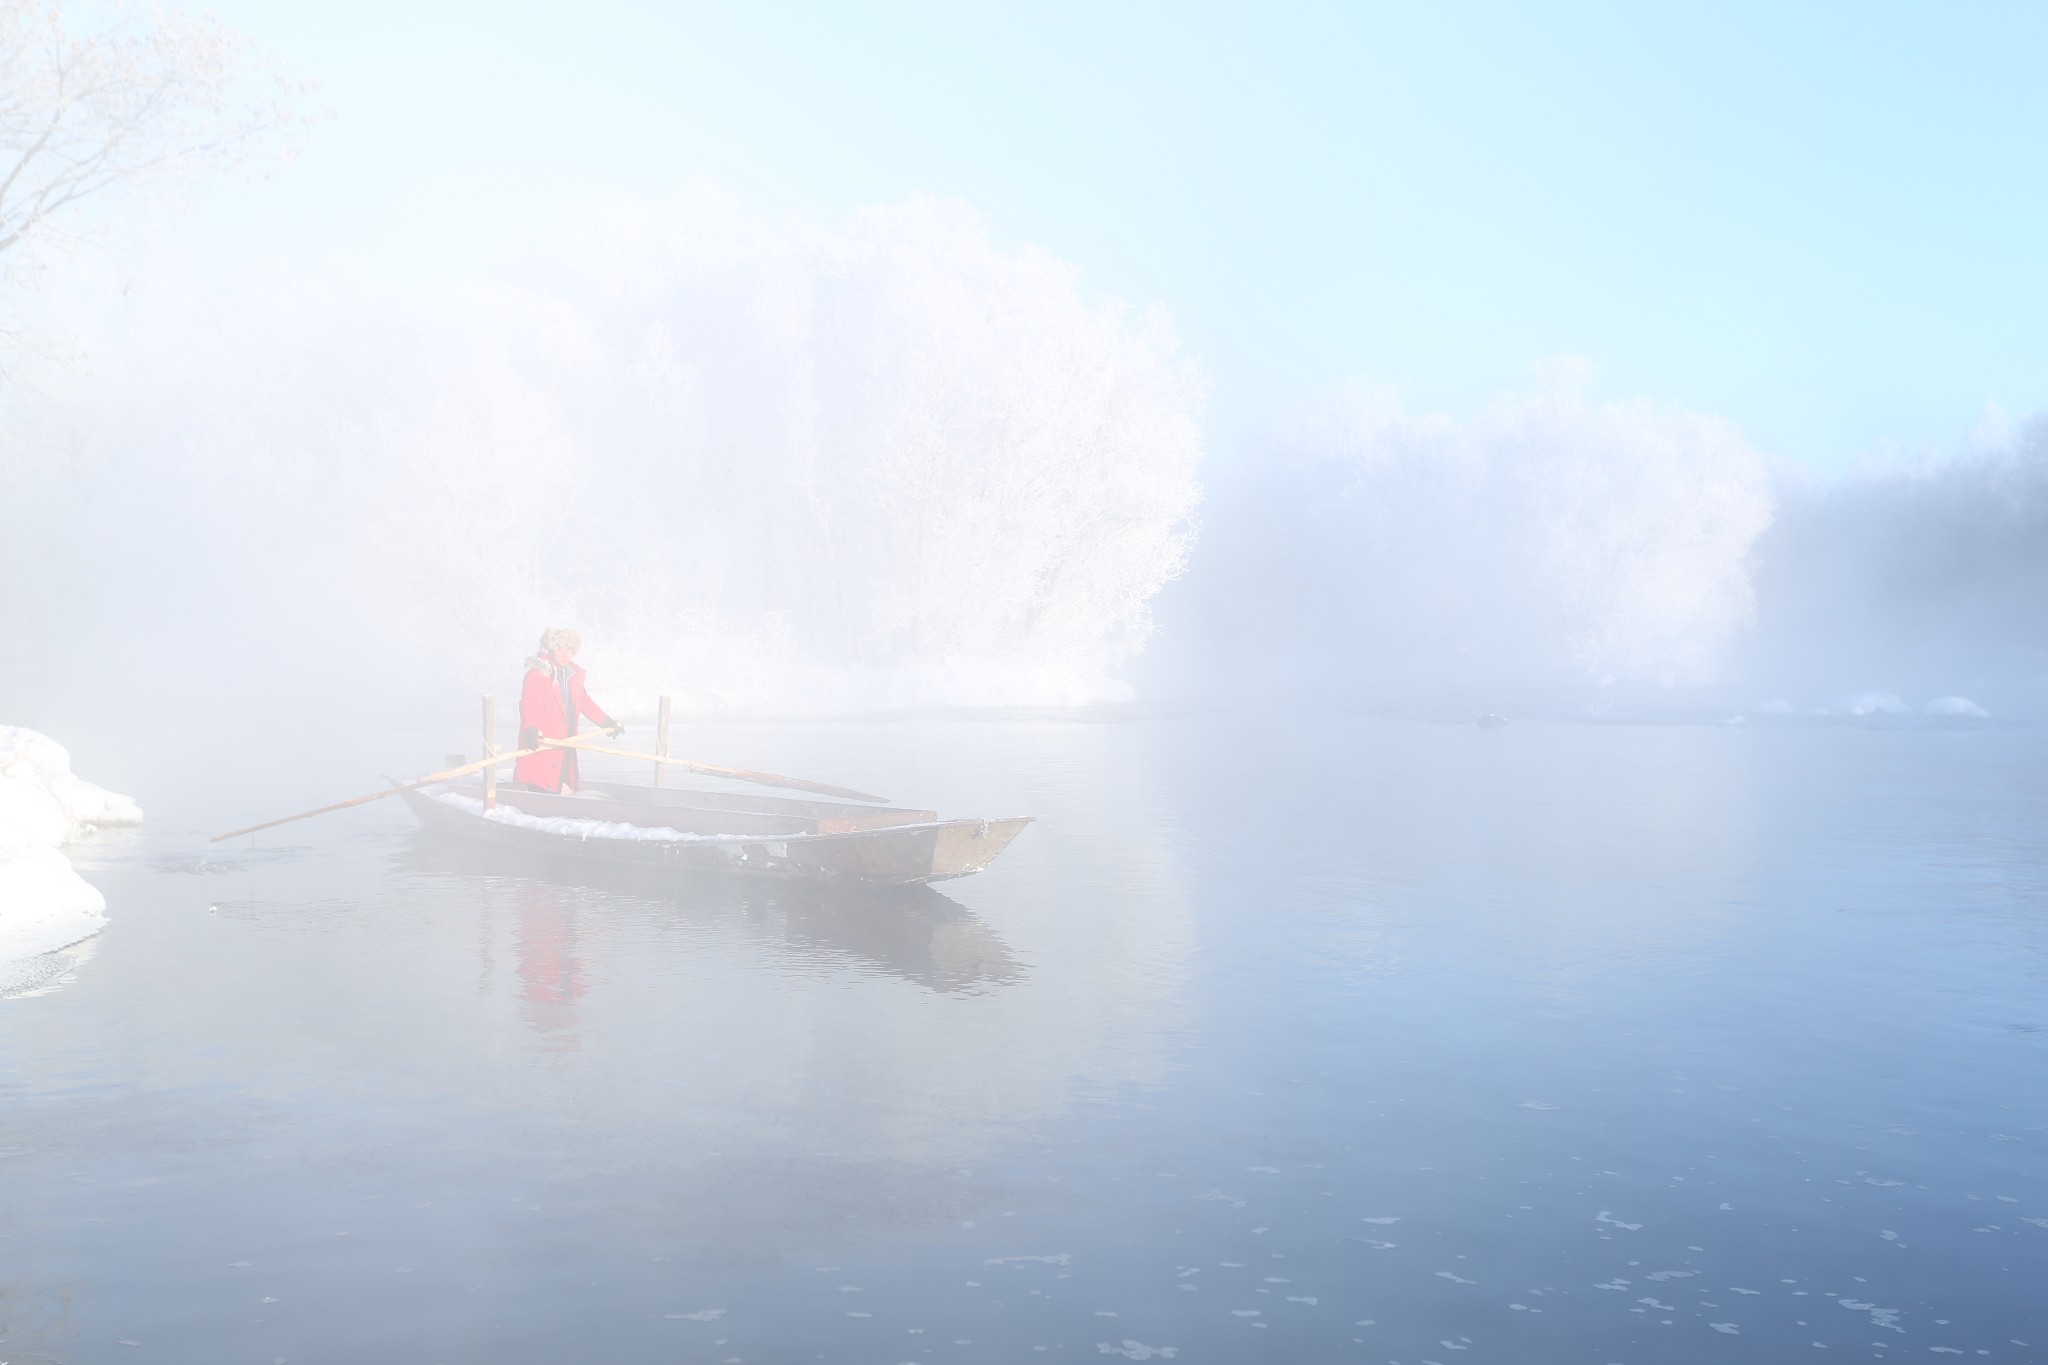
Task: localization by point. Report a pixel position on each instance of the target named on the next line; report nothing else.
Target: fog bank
(1560, 555)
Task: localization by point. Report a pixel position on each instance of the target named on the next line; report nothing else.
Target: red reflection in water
(551, 976)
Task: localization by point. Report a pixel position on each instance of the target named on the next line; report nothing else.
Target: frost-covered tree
(764, 465)
(1546, 542)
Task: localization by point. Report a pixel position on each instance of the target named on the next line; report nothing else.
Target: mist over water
(1280, 1038)
(1284, 1032)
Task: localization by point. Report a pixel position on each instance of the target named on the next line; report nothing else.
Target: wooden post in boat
(661, 740)
(490, 751)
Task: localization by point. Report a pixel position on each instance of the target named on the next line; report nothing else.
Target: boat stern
(964, 847)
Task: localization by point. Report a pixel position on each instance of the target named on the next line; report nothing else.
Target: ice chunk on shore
(42, 801)
(44, 904)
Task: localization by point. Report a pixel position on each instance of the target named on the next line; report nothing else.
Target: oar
(714, 770)
(428, 781)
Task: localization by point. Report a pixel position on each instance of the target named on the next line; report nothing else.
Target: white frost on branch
(136, 96)
(1547, 538)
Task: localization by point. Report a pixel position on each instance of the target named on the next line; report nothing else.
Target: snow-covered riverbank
(44, 904)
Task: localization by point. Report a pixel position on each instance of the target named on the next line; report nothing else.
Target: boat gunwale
(918, 827)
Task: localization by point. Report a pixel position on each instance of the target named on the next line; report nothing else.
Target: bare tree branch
(149, 94)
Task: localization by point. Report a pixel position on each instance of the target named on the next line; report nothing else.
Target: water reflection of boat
(911, 931)
(693, 831)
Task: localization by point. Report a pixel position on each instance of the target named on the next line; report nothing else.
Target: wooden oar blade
(414, 785)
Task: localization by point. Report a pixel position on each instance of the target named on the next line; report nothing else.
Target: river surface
(1313, 1038)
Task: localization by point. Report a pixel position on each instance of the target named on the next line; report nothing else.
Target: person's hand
(529, 738)
(615, 728)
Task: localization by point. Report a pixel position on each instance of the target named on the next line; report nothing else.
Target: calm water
(1319, 1039)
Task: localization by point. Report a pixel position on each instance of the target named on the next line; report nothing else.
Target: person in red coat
(550, 700)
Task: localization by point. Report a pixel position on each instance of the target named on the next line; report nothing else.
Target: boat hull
(926, 850)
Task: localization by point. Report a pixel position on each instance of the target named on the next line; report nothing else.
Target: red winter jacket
(543, 707)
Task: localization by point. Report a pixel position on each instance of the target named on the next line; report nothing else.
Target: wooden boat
(718, 831)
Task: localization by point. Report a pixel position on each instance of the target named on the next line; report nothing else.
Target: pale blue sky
(1824, 222)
